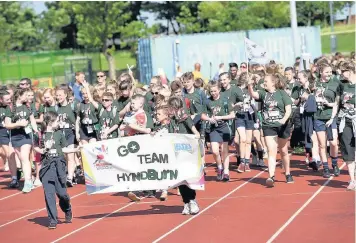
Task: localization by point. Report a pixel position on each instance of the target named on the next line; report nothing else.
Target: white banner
(143, 162)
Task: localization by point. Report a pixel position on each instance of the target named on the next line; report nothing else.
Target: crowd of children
(257, 109)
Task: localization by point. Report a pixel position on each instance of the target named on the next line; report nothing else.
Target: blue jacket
(310, 107)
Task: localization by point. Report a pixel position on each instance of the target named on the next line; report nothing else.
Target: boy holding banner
(182, 123)
(135, 122)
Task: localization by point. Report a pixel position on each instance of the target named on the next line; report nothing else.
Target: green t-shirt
(122, 102)
(107, 119)
(273, 108)
(219, 107)
(4, 112)
(347, 99)
(329, 91)
(260, 85)
(87, 113)
(233, 82)
(182, 126)
(290, 89)
(35, 113)
(298, 92)
(44, 108)
(158, 127)
(66, 116)
(53, 142)
(150, 123)
(234, 94)
(21, 112)
(195, 98)
(246, 100)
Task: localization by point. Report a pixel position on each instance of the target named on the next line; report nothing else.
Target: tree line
(96, 24)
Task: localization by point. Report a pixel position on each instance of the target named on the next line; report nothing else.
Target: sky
(40, 6)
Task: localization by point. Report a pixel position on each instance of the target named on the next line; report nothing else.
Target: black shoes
(68, 217)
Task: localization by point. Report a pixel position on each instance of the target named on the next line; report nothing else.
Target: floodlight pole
(332, 36)
(294, 25)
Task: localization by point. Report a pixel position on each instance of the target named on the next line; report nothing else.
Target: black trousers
(52, 187)
(347, 143)
(186, 193)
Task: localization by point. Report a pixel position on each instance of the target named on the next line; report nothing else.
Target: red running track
(312, 209)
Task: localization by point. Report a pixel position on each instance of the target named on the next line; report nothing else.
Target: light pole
(332, 36)
(294, 25)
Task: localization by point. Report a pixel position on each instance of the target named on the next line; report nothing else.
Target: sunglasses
(242, 66)
(23, 83)
(155, 93)
(106, 100)
(100, 76)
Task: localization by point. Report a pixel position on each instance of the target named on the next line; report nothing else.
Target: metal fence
(47, 67)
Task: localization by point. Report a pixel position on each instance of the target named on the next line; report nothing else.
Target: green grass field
(345, 41)
(46, 65)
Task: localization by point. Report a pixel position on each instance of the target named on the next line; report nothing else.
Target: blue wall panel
(214, 48)
(279, 42)
(145, 60)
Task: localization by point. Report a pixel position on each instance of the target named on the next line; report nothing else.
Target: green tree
(311, 12)
(97, 23)
(16, 27)
(49, 28)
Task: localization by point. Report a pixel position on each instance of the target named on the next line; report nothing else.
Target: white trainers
(164, 195)
(27, 187)
(186, 210)
(194, 208)
(352, 186)
(37, 183)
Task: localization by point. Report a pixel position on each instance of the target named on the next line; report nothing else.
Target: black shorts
(245, 120)
(20, 138)
(282, 131)
(347, 142)
(4, 136)
(69, 135)
(220, 134)
(84, 135)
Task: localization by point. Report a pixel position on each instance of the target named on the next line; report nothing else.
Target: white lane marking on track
(17, 193)
(207, 208)
(279, 231)
(27, 215)
(179, 200)
(93, 222)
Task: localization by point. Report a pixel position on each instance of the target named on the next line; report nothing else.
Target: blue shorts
(220, 134)
(244, 120)
(84, 135)
(319, 125)
(20, 138)
(69, 135)
(4, 136)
